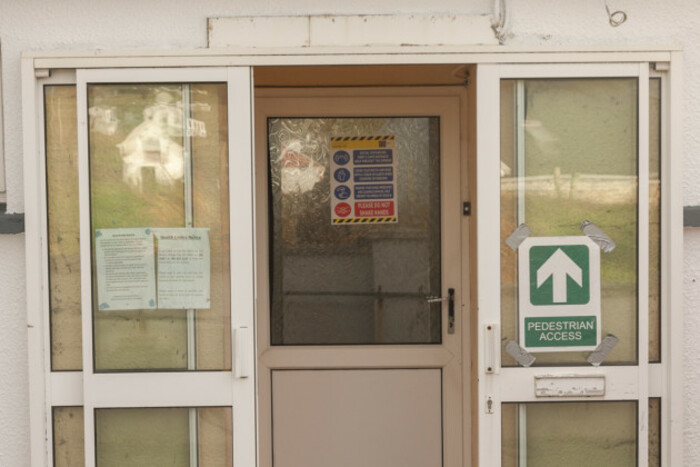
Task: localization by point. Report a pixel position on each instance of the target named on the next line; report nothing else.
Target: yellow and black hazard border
(376, 153)
(366, 220)
(363, 142)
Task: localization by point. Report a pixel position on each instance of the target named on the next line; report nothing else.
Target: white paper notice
(125, 269)
(183, 268)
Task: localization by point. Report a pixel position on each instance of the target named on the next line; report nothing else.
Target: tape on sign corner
(594, 232)
(518, 236)
(603, 350)
(522, 356)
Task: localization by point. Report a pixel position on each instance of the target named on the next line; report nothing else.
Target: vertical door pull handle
(450, 311)
(241, 348)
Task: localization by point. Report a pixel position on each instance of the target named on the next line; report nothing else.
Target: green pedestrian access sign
(559, 294)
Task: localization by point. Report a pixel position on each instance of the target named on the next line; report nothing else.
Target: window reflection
(299, 173)
(157, 141)
(159, 158)
(569, 154)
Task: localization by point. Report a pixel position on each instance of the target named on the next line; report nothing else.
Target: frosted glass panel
(354, 283)
(655, 220)
(569, 154)
(68, 437)
(654, 432)
(159, 160)
(63, 226)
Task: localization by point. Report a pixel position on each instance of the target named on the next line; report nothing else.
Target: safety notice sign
(559, 294)
(363, 180)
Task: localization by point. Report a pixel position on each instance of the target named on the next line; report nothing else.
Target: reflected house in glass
(103, 119)
(299, 173)
(151, 143)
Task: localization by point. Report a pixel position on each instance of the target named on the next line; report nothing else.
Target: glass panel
(173, 437)
(655, 220)
(353, 283)
(569, 433)
(569, 154)
(63, 226)
(159, 212)
(68, 437)
(654, 432)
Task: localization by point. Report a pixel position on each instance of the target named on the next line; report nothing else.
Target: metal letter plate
(570, 386)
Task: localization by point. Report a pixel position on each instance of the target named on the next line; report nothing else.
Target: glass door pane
(359, 277)
(164, 436)
(574, 434)
(159, 215)
(569, 154)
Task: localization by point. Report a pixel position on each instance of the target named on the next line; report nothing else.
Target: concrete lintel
(350, 31)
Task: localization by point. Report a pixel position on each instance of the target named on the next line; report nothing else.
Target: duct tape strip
(518, 236)
(601, 352)
(520, 355)
(593, 232)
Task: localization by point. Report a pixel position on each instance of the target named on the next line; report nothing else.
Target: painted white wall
(90, 24)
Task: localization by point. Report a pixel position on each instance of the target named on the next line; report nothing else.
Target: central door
(359, 285)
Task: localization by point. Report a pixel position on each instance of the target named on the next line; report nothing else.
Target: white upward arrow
(559, 265)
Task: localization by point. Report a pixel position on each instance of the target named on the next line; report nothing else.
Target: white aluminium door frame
(192, 388)
(444, 103)
(634, 383)
(49, 388)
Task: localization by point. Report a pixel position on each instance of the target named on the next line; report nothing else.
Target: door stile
(85, 267)
(453, 374)
(672, 267)
(36, 254)
(643, 266)
(468, 305)
(241, 186)
(262, 290)
(488, 263)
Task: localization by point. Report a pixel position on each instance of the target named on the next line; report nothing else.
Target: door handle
(450, 299)
(241, 345)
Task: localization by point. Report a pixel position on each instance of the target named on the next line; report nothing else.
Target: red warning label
(374, 209)
(343, 209)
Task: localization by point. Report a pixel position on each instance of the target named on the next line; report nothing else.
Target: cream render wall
(172, 24)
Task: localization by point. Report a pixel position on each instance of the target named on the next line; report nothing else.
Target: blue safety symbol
(342, 192)
(342, 175)
(341, 157)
